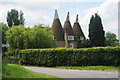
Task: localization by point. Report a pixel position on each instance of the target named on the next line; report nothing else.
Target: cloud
(53, 0)
(108, 12)
(34, 12)
(73, 14)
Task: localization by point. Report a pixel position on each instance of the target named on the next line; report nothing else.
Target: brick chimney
(66, 39)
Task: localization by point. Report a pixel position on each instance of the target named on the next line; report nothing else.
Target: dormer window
(70, 37)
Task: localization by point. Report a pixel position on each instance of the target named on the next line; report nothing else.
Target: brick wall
(60, 43)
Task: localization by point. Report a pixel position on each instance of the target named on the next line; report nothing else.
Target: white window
(70, 37)
(81, 37)
(71, 45)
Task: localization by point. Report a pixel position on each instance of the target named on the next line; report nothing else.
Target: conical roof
(67, 26)
(57, 29)
(77, 28)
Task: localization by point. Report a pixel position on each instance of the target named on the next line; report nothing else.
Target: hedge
(13, 60)
(96, 56)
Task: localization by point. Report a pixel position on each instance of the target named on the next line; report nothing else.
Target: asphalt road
(67, 73)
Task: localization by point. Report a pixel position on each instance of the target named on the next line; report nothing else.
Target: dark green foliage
(22, 20)
(15, 18)
(111, 39)
(19, 37)
(4, 29)
(85, 43)
(96, 32)
(96, 56)
(4, 49)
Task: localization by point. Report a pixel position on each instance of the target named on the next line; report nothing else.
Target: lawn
(17, 71)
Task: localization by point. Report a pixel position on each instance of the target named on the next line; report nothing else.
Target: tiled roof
(57, 29)
(67, 26)
(77, 28)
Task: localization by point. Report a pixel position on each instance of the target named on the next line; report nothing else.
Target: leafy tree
(86, 43)
(15, 18)
(96, 32)
(43, 37)
(111, 39)
(4, 29)
(22, 19)
(47, 28)
(19, 37)
(15, 38)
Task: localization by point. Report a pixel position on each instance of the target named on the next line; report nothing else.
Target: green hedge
(13, 58)
(105, 56)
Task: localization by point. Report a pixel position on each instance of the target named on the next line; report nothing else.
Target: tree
(96, 32)
(85, 43)
(111, 39)
(22, 20)
(4, 29)
(19, 37)
(15, 38)
(15, 18)
(43, 37)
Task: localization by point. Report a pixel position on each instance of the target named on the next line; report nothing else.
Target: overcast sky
(42, 12)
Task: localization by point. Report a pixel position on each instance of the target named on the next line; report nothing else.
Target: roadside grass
(88, 67)
(17, 71)
(81, 67)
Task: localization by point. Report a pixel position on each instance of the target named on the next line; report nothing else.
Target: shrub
(96, 56)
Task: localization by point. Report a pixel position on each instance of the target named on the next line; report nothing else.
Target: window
(70, 37)
(71, 45)
(81, 37)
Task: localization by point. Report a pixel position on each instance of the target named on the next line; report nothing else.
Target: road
(67, 73)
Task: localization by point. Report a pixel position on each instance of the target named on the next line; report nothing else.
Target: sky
(42, 12)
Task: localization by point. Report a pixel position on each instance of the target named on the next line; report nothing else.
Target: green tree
(4, 29)
(111, 39)
(22, 19)
(19, 37)
(15, 18)
(15, 38)
(86, 43)
(43, 37)
(96, 32)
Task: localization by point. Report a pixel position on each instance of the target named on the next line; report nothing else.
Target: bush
(96, 56)
(4, 49)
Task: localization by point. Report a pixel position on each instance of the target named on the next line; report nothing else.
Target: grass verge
(82, 67)
(89, 67)
(17, 71)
